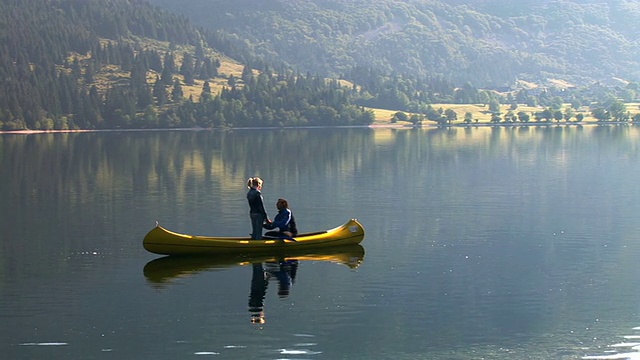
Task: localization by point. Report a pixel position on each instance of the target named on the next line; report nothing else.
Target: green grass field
(481, 113)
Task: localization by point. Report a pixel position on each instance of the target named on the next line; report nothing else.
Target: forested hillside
(107, 64)
(488, 43)
(121, 64)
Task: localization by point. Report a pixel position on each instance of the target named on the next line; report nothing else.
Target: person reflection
(284, 272)
(256, 296)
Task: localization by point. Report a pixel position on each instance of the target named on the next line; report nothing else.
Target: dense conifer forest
(117, 64)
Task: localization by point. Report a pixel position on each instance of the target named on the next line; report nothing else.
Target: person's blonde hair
(254, 182)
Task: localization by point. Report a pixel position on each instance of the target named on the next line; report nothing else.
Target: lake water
(481, 243)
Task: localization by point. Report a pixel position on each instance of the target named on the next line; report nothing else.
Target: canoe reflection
(162, 271)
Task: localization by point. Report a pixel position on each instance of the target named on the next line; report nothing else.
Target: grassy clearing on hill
(482, 115)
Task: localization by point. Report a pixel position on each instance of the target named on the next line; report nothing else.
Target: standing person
(257, 213)
(284, 221)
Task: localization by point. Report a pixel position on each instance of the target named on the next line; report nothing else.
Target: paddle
(285, 237)
(279, 237)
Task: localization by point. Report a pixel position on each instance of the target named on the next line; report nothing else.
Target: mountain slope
(485, 42)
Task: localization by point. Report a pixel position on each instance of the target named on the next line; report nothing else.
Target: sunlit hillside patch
(230, 68)
(633, 108)
(383, 116)
(481, 114)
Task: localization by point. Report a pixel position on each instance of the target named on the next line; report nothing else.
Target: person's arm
(268, 225)
(261, 206)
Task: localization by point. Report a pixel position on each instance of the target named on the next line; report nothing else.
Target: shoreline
(372, 126)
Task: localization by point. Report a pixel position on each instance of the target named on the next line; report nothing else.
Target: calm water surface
(482, 243)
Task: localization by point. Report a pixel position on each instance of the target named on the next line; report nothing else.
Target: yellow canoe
(165, 242)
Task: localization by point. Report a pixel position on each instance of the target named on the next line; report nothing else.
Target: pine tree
(186, 69)
(176, 93)
(160, 92)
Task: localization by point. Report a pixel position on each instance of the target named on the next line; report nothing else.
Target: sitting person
(284, 221)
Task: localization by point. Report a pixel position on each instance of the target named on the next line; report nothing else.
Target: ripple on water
(298, 352)
(614, 355)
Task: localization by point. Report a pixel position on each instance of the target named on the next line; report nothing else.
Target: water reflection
(162, 271)
(283, 272)
(630, 349)
(281, 268)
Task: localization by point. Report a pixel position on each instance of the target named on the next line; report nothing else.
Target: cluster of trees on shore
(612, 111)
(266, 100)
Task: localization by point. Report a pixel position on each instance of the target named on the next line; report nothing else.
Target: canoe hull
(165, 242)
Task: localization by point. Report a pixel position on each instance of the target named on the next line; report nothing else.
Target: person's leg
(256, 226)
